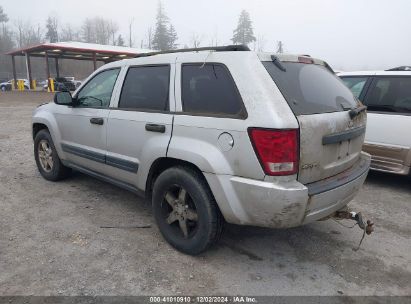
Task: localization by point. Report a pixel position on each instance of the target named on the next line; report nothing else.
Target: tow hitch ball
(368, 226)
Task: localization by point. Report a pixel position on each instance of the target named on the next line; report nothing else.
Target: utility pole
(280, 47)
(130, 26)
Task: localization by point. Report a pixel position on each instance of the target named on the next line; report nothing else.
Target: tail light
(277, 150)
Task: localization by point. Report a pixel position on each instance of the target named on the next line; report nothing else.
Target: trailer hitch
(366, 226)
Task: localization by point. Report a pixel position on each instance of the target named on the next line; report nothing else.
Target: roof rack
(227, 48)
(401, 68)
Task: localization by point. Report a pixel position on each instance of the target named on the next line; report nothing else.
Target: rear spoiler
(277, 59)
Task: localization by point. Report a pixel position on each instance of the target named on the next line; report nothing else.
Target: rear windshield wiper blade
(277, 63)
(356, 111)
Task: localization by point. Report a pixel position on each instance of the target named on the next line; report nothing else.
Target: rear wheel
(47, 160)
(185, 210)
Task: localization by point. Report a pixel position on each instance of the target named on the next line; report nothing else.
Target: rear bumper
(348, 183)
(285, 203)
(389, 158)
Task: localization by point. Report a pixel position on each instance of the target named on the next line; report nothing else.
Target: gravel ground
(52, 243)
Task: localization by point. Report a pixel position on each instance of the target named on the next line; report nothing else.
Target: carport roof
(79, 51)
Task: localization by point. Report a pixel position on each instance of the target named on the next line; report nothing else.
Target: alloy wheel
(180, 212)
(45, 154)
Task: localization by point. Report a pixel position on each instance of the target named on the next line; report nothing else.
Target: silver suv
(212, 135)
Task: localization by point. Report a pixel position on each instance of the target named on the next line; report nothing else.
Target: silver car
(212, 136)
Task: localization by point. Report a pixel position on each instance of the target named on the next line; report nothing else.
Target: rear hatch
(330, 138)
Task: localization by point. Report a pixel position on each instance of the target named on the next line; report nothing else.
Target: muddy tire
(185, 210)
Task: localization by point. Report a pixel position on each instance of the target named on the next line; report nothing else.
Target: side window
(355, 84)
(146, 88)
(97, 92)
(209, 89)
(390, 94)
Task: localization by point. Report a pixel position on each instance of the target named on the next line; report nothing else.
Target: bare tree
(99, 30)
(113, 29)
(68, 33)
(214, 38)
(196, 40)
(149, 37)
(27, 34)
(19, 24)
(260, 43)
(87, 31)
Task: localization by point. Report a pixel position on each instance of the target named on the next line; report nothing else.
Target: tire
(3, 89)
(198, 209)
(47, 160)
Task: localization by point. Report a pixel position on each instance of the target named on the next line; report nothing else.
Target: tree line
(21, 33)
(162, 36)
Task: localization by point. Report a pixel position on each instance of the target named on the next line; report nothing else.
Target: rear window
(355, 84)
(209, 89)
(146, 88)
(310, 88)
(390, 94)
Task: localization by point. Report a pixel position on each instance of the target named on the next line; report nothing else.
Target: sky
(348, 34)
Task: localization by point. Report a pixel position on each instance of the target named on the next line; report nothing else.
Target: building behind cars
(387, 94)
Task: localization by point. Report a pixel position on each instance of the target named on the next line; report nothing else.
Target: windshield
(355, 84)
(311, 88)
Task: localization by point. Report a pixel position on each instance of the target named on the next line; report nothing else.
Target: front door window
(97, 92)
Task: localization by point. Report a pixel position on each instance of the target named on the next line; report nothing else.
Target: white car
(387, 94)
(7, 86)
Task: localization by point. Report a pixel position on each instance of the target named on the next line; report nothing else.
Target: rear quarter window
(310, 88)
(389, 94)
(209, 90)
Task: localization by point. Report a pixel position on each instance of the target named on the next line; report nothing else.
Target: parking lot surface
(81, 237)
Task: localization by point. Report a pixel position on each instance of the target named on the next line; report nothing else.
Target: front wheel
(47, 160)
(185, 210)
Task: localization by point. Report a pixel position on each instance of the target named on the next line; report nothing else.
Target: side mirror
(63, 98)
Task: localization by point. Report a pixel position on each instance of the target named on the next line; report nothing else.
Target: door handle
(97, 121)
(155, 128)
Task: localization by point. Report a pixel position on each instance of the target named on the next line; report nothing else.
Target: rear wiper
(356, 111)
(277, 63)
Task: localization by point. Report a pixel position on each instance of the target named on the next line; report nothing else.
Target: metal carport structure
(72, 50)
